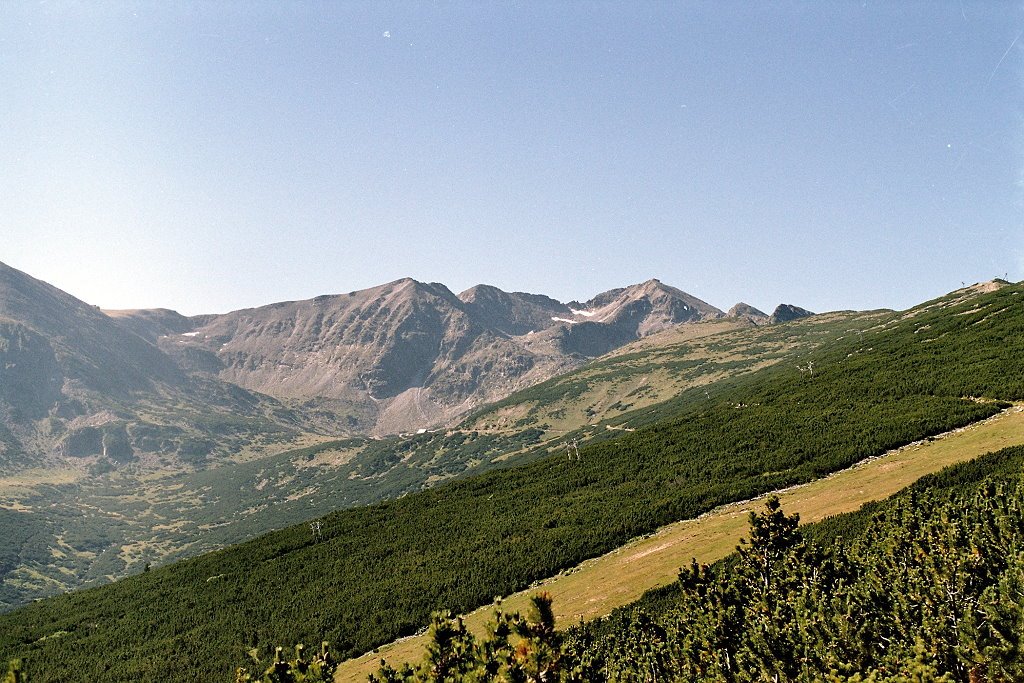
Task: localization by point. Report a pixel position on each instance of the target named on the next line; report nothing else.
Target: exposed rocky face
(783, 313)
(417, 353)
(77, 383)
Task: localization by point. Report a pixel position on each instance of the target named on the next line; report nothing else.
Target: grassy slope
(596, 587)
(651, 371)
(381, 569)
(931, 590)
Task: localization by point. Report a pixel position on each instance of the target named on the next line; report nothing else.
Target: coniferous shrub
(930, 591)
(319, 669)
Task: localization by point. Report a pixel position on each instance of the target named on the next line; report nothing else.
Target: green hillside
(379, 571)
(607, 392)
(64, 531)
(922, 587)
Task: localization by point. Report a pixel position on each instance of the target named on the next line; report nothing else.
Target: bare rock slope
(76, 383)
(415, 354)
(783, 313)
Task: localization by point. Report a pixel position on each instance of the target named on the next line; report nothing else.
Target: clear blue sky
(210, 156)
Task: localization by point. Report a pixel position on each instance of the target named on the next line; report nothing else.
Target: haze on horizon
(214, 156)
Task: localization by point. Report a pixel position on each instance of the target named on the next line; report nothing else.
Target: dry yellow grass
(16, 487)
(597, 586)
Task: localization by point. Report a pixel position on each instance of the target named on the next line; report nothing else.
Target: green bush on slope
(319, 669)
(931, 589)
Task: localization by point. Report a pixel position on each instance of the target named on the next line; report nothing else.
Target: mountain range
(116, 386)
(663, 429)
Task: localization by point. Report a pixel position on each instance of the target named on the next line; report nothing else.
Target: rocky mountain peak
(513, 313)
(648, 307)
(785, 312)
(411, 289)
(401, 355)
(748, 312)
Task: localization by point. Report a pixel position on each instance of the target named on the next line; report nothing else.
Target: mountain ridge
(396, 357)
(77, 385)
(415, 354)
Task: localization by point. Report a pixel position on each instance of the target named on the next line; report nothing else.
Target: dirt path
(596, 587)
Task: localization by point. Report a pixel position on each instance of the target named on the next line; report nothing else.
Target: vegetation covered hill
(598, 586)
(378, 572)
(63, 530)
(609, 392)
(924, 587)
